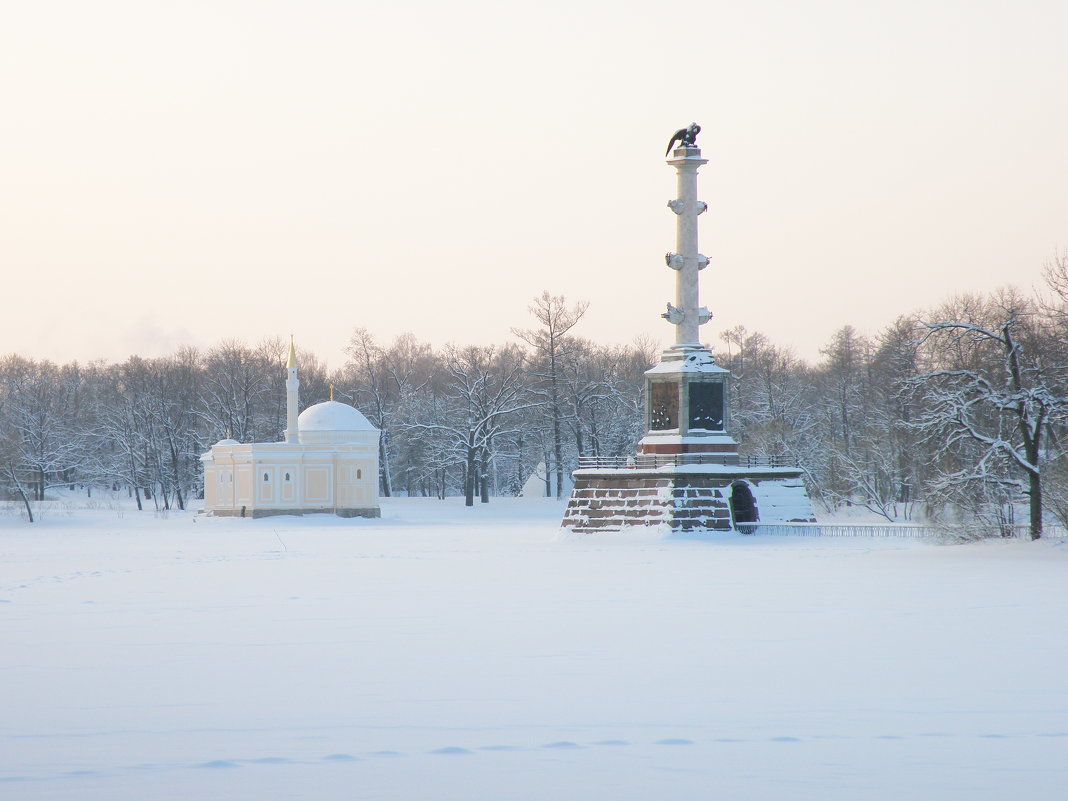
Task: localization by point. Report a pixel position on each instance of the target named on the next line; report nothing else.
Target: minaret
(292, 395)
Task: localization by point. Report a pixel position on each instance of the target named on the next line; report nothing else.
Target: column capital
(686, 158)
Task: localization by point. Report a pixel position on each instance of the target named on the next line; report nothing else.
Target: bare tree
(175, 392)
(45, 442)
(887, 466)
(382, 382)
(119, 429)
(1002, 412)
(484, 394)
(238, 385)
(12, 477)
(553, 347)
(775, 405)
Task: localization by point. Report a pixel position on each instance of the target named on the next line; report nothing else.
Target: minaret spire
(292, 394)
(291, 362)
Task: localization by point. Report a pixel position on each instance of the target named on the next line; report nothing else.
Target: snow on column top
(696, 361)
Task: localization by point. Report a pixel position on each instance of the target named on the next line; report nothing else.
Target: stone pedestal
(685, 498)
(687, 398)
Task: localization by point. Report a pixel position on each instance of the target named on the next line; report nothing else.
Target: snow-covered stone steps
(682, 499)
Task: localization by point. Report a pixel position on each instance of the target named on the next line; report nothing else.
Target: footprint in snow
(785, 739)
(562, 744)
(340, 757)
(218, 763)
(450, 750)
(611, 742)
(674, 741)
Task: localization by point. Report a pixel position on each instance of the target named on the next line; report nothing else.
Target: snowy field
(447, 653)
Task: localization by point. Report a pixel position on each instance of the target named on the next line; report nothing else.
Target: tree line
(956, 413)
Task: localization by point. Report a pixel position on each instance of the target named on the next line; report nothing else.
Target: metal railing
(908, 530)
(823, 530)
(648, 461)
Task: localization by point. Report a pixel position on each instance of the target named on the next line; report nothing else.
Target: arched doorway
(743, 504)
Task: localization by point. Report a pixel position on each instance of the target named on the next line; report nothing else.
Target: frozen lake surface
(448, 653)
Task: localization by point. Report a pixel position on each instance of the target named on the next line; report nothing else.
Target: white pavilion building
(327, 462)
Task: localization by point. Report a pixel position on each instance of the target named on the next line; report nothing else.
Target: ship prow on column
(687, 475)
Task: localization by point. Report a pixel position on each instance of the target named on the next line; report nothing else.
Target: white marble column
(688, 315)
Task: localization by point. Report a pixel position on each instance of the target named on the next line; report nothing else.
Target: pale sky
(181, 173)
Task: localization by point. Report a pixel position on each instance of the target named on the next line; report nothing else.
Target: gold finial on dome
(331, 392)
(292, 361)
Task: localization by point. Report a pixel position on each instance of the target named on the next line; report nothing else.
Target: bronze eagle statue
(686, 137)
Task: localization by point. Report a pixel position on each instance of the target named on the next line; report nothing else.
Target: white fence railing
(1049, 531)
(649, 461)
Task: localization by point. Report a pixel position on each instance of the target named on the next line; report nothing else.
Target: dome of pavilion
(332, 417)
